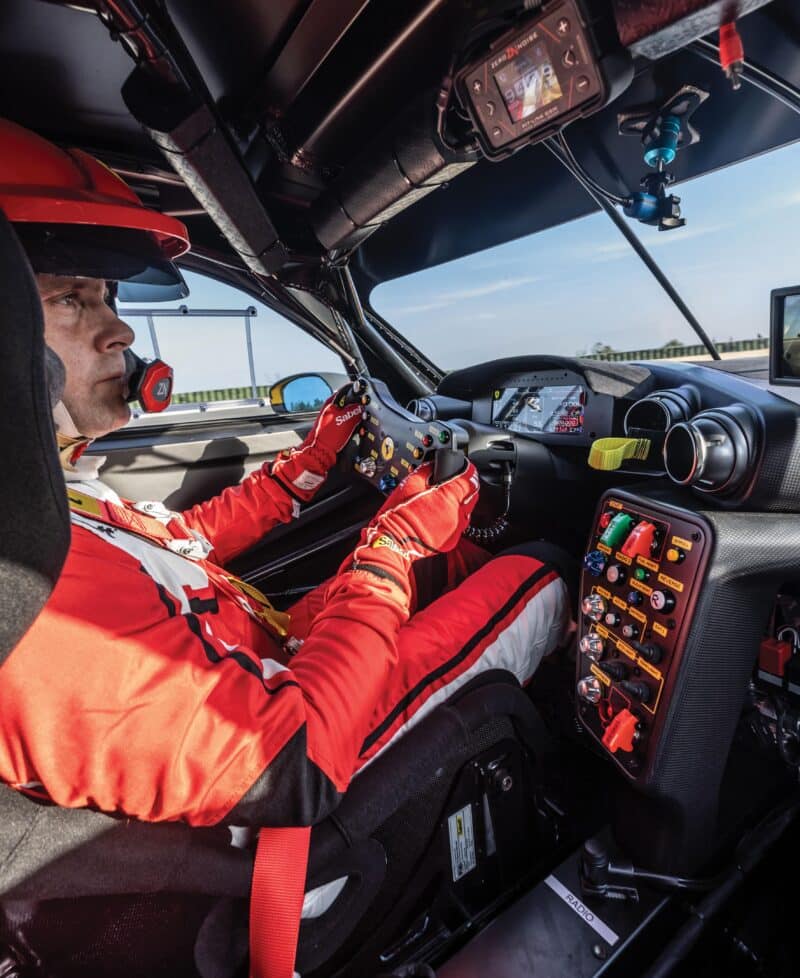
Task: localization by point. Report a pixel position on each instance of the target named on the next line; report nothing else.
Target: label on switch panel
(603, 548)
(603, 592)
(649, 564)
(680, 542)
(659, 629)
(596, 671)
(601, 630)
(623, 558)
(638, 615)
(641, 587)
(651, 670)
(619, 603)
(670, 582)
(625, 649)
(614, 504)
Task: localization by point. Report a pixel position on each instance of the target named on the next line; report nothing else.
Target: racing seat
(430, 834)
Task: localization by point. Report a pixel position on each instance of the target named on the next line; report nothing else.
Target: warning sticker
(462, 843)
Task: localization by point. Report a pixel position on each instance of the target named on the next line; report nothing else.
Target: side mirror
(784, 337)
(303, 392)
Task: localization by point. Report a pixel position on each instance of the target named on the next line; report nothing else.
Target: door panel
(186, 464)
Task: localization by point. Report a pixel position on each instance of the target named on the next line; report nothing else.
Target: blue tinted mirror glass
(306, 393)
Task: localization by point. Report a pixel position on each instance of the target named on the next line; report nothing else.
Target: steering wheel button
(427, 440)
(444, 437)
(417, 453)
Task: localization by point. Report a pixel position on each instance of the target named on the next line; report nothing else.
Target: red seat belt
(276, 900)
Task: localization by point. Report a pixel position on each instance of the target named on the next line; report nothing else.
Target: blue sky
(564, 289)
(559, 291)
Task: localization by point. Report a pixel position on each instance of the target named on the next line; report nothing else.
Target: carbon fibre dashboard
(724, 437)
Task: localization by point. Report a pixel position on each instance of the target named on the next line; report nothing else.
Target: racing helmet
(74, 216)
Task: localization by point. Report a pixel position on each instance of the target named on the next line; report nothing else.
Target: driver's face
(90, 338)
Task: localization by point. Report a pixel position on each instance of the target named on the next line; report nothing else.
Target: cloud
(445, 299)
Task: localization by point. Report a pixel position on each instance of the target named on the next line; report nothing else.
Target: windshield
(580, 289)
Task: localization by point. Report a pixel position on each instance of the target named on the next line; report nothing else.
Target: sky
(556, 292)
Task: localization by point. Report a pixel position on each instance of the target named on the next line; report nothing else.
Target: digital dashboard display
(528, 82)
(534, 410)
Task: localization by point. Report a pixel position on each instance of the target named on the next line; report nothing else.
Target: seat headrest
(34, 520)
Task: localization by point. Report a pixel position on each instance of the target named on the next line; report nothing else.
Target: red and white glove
(417, 520)
(302, 470)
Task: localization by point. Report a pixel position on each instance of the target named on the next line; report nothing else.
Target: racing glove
(302, 470)
(417, 520)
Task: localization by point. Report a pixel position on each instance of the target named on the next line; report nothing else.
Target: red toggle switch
(640, 542)
(621, 732)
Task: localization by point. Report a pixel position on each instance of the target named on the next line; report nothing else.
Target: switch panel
(644, 566)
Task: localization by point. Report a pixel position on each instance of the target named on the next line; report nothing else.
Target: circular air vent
(714, 451)
(660, 410)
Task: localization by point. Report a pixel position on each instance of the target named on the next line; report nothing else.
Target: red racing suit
(149, 687)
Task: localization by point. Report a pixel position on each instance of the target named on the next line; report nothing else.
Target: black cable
(760, 78)
(622, 225)
(614, 198)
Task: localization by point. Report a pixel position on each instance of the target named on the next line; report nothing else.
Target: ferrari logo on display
(387, 449)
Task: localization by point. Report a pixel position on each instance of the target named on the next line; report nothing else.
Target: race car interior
(632, 812)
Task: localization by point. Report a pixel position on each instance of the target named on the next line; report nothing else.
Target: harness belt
(175, 536)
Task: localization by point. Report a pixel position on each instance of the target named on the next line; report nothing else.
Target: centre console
(642, 573)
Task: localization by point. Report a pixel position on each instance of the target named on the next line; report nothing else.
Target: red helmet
(75, 216)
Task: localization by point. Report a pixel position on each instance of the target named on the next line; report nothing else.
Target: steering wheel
(391, 442)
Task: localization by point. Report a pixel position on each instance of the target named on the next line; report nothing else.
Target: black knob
(663, 601)
(639, 690)
(650, 652)
(617, 670)
(635, 598)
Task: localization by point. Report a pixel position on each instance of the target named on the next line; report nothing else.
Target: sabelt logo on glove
(384, 540)
(348, 415)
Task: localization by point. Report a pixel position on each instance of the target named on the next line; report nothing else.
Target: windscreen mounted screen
(537, 410)
(535, 78)
(528, 82)
(784, 337)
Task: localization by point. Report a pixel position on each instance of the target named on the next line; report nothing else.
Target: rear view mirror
(784, 336)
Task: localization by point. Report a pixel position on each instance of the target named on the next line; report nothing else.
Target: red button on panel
(640, 542)
(621, 732)
(773, 656)
(604, 520)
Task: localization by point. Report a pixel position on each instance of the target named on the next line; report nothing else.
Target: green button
(444, 437)
(640, 574)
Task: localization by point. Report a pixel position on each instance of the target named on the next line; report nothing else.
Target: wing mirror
(784, 336)
(303, 392)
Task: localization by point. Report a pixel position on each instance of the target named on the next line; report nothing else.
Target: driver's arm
(241, 515)
(129, 698)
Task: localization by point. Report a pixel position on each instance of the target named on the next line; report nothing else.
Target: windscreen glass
(578, 289)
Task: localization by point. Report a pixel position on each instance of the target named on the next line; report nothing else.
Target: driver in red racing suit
(154, 683)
